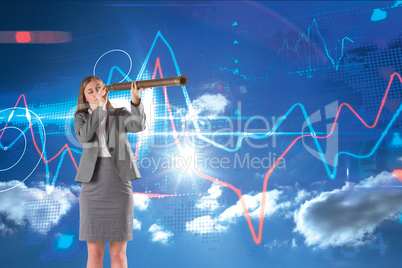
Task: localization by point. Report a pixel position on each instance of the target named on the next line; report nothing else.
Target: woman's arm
(136, 120)
(84, 131)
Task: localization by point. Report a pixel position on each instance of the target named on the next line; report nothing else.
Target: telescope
(169, 81)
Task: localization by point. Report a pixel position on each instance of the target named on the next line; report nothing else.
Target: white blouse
(103, 150)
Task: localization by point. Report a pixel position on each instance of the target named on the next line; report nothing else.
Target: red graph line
(157, 64)
(34, 141)
(68, 148)
(257, 239)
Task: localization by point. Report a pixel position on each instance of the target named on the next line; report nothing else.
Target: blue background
(242, 60)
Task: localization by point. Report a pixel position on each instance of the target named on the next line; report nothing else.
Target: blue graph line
(262, 136)
(241, 135)
(285, 45)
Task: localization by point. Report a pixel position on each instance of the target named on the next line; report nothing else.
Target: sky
(283, 149)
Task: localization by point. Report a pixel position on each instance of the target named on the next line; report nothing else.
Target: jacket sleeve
(136, 120)
(84, 131)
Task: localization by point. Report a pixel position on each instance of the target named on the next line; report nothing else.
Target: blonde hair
(82, 104)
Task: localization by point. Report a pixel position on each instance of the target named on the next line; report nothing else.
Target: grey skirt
(106, 205)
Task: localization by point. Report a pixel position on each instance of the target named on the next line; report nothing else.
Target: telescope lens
(183, 81)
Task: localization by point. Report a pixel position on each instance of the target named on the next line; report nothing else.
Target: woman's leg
(118, 254)
(96, 251)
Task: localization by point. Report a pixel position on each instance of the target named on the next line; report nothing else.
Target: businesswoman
(107, 167)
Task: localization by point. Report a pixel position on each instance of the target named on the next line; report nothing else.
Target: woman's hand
(101, 95)
(135, 93)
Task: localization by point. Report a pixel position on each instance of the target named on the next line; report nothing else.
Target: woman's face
(90, 91)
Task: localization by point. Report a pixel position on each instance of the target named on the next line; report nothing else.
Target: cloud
(220, 223)
(5, 230)
(159, 235)
(253, 203)
(204, 225)
(136, 224)
(348, 216)
(277, 244)
(210, 202)
(75, 188)
(141, 201)
(302, 195)
(259, 175)
(42, 211)
(212, 104)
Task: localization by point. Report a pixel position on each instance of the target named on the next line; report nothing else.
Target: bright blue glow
(65, 241)
(378, 15)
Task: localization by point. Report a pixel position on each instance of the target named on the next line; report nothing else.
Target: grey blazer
(119, 121)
